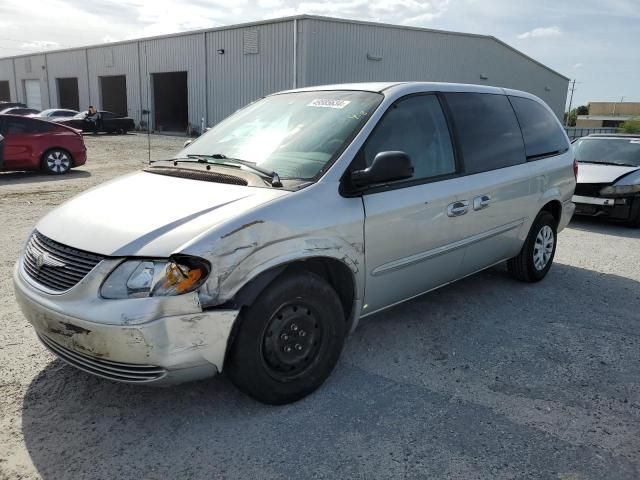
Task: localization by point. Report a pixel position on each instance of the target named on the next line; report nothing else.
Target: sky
(595, 42)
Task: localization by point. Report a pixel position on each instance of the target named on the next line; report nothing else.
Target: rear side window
(416, 126)
(488, 131)
(13, 125)
(542, 134)
(40, 126)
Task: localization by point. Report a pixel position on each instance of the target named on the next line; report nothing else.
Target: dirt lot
(487, 378)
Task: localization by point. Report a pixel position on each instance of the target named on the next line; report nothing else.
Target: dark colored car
(33, 144)
(609, 177)
(56, 113)
(19, 111)
(4, 105)
(108, 122)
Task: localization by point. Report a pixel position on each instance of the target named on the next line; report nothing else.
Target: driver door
(413, 228)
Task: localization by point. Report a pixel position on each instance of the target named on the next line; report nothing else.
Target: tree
(630, 126)
(572, 118)
(582, 110)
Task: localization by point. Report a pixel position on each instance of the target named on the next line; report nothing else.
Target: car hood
(146, 214)
(595, 173)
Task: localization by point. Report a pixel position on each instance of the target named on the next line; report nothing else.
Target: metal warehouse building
(203, 76)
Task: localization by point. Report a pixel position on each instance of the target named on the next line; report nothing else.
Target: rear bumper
(623, 208)
(568, 209)
(79, 156)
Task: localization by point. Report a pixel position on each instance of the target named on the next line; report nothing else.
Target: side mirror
(386, 167)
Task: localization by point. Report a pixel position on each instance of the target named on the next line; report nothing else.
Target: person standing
(94, 117)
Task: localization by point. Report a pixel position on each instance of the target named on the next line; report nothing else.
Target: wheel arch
(338, 274)
(335, 272)
(554, 207)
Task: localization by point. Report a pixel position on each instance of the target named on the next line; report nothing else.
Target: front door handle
(481, 202)
(456, 209)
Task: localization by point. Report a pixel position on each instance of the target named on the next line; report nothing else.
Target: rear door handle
(456, 209)
(481, 202)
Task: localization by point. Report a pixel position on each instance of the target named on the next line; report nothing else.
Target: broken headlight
(155, 278)
(620, 190)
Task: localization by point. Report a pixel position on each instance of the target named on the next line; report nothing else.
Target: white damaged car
(609, 177)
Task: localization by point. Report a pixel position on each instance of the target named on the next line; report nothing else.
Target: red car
(33, 144)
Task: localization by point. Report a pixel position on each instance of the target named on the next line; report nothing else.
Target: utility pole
(573, 87)
(614, 105)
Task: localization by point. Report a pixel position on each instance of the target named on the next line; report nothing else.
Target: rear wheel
(289, 340)
(536, 257)
(56, 161)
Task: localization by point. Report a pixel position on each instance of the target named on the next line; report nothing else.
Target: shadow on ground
(15, 178)
(422, 391)
(604, 226)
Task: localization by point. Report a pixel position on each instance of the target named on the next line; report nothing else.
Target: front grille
(589, 189)
(54, 265)
(121, 372)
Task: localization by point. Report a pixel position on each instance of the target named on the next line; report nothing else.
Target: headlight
(155, 278)
(620, 190)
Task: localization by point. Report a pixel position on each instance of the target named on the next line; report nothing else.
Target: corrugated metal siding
(68, 65)
(32, 67)
(336, 52)
(236, 78)
(112, 60)
(177, 54)
(6, 74)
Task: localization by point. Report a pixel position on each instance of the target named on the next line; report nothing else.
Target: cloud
(109, 39)
(577, 65)
(40, 44)
(541, 32)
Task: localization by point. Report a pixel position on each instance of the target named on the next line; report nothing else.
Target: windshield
(81, 115)
(293, 134)
(624, 151)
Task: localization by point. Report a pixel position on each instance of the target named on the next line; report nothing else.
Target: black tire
(289, 340)
(634, 220)
(56, 161)
(524, 266)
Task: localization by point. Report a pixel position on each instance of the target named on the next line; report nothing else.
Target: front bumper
(621, 208)
(170, 349)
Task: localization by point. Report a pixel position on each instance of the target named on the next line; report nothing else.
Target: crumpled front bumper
(171, 349)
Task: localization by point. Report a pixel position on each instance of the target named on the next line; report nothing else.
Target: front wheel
(536, 257)
(56, 161)
(289, 340)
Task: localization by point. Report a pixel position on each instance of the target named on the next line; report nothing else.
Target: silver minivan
(263, 243)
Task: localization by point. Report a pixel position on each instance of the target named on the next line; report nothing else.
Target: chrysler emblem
(44, 259)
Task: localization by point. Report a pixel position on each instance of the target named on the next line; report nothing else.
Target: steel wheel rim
(58, 161)
(291, 341)
(543, 247)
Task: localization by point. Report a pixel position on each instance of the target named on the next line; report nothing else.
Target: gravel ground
(486, 378)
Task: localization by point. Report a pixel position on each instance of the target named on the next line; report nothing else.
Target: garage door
(32, 92)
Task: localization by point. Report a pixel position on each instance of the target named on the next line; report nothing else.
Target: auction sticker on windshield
(328, 103)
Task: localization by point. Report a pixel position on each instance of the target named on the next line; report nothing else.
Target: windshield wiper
(221, 159)
(608, 163)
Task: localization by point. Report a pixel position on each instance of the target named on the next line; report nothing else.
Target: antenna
(148, 109)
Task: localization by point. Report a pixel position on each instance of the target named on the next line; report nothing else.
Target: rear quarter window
(487, 129)
(542, 133)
